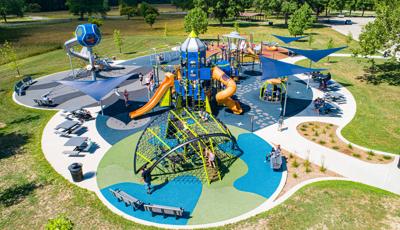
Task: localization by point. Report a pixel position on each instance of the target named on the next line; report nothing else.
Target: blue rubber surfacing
(176, 193)
(260, 178)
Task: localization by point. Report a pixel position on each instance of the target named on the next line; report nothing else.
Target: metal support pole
(72, 67)
(308, 79)
(91, 61)
(284, 105)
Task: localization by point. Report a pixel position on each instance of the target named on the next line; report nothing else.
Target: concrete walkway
(355, 28)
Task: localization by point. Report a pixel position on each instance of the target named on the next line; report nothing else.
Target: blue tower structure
(195, 75)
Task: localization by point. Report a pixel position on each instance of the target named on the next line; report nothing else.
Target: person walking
(141, 78)
(126, 98)
(146, 176)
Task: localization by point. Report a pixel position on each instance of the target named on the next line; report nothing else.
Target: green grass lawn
(331, 205)
(376, 124)
(32, 192)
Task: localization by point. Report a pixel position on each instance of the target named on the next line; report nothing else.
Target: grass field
(331, 205)
(376, 124)
(32, 192)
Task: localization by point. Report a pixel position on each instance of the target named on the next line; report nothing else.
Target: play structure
(179, 143)
(87, 36)
(195, 83)
(189, 139)
(273, 90)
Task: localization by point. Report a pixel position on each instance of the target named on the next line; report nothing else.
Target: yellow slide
(224, 97)
(158, 95)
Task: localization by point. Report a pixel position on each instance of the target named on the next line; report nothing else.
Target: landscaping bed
(325, 134)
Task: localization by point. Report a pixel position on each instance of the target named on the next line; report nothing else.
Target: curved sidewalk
(384, 176)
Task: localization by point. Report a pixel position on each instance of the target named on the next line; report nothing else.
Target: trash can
(398, 164)
(76, 172)
(270, 23)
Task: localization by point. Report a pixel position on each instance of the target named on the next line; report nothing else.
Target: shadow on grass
(387, 72)
(15, 194)
(11, 143)
(26, 119)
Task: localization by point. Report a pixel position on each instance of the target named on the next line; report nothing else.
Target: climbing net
(176, 145)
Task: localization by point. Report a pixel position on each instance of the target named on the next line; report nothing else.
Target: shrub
(305, 134)
(307, 163)
(303, 129)
(316, 133)
(356, 155)
(295, 175)
(371, 153)
(310, 124)
(387, 157)
(59, 223)
(369, 158)
(97, 21)
(290, 155)
(304, 126)
(321, 142)
(322, 169)
(333, 141)
(331, 135)
(313, 139)
(331, 125)
(324, 131)
(336, 147)
(295, 164)
(350, 146)
(308, 170)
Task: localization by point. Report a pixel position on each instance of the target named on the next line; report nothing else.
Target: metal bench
(164, 210)
(127, 199)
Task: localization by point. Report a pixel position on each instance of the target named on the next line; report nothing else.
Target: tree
(287, 8)
(310, 40)
(97, 21)
(364, 4)
(196, 20)
(351, 5)
(318, 6)
(337, 5)
(15, 7)
(349, 38)
(118, 41)
(82, 7)
(8, 53)
(383, 32)
(150, 19)
(301, 20)
(330, 45)
(145, 8)
(223, 9)
(183, 4)
(129, 11)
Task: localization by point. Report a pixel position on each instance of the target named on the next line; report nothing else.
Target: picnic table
(68, 127)
(79, 143)
(335, 96)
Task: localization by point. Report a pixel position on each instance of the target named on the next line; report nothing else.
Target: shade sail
(96, 89)
(288, 40)
(273, 68)
(315, 55)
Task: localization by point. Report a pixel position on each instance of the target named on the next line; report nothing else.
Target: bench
(127, 199)
(21, 86)
(164, 210)
(41, 102)
(73, 153)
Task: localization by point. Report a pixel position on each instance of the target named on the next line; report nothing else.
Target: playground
(204, 120)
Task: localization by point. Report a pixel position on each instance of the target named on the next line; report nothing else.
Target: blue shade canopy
(288, 40)
(315, 55)
(273, 68)
(96, 89)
